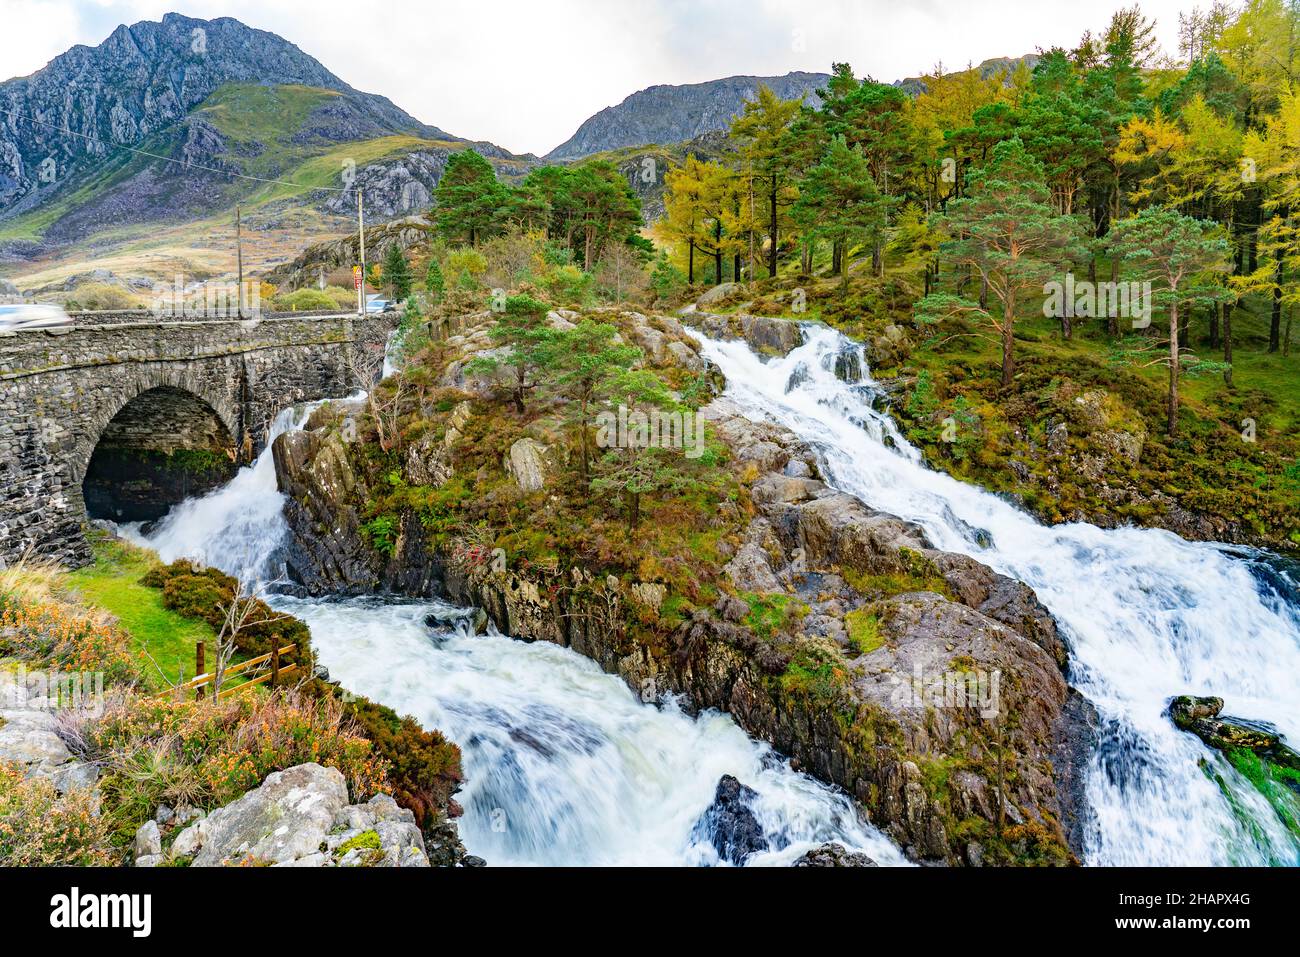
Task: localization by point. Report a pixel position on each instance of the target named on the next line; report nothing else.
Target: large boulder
(729, 823)
(763, 333)
(29, 737)
(717, 294)
(528, 464)
(834, 855)
(299, 817)
(1203, 718)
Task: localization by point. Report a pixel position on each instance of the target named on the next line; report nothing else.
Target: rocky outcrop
(29, 733)
(299, 817)
(329, 551)
(923, 683)
(1202, 717)
(306, 268)
(729, 823)
(763, 334)
(834, 855)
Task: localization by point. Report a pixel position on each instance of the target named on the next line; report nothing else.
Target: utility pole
(361, 240)
(239, 256)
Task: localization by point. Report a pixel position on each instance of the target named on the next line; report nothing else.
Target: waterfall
(564, 765)
(238, 527)
(1148, 615)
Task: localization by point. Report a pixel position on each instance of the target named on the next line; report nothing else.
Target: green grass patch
(864, 630)
(770, 614)
(112, 582)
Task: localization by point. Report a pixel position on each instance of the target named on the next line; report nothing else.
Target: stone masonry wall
(60, 389)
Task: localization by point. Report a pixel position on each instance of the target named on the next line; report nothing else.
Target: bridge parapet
(60, 389)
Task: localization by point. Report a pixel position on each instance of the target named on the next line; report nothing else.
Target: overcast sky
(525, 73)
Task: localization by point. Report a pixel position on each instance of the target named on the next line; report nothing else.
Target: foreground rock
(729, 823)
(834, 855)
(1201, 717)
(299, 817)
(29, 737)
(764, 334)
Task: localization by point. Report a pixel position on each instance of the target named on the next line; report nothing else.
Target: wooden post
(275, 662)
(198, 667)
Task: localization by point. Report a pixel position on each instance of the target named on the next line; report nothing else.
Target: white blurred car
(24, 317)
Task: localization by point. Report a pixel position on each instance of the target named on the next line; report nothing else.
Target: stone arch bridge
(122, 418)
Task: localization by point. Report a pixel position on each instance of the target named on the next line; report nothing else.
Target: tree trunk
(1008, 353)
(1216, 319)
(1275, 321)
(690, 267)
(1227, 343)
(772, 225)
(717, 252)
(1173, 370)
(735, 268)
(1112, 321)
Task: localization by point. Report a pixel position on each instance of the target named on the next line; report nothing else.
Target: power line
(169, 159)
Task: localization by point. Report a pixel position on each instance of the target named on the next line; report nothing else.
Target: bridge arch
(160, 441)
(174, 381)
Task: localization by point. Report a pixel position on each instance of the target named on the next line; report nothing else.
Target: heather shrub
(305, 300)
(423, 767)
(207, 753)
(206, 593)
(62, 637)
(40, 828)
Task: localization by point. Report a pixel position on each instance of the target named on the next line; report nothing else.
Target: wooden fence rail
(203, 679)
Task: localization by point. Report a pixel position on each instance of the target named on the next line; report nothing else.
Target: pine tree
(527, 345)
(396, 273)
(762, 129)
(839, 202)
(471, 203)
(1007, 232)
(1181, 254)
(434, 284)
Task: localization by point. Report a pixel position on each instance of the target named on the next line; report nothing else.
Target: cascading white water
(1148, 615)
(237, 527)
(564, 764)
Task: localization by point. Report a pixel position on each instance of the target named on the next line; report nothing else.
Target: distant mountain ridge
(674, 114)
(140, 80)
(224, 113)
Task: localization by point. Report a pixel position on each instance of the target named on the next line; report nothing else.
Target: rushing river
(564, 765)
(1147, 614)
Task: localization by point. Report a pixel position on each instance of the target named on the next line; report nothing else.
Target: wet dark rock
(729, 823)
(1201, 717)
(834, 855)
